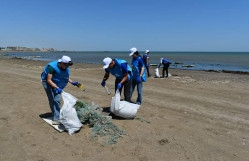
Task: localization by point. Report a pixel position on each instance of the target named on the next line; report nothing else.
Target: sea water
(231, 61)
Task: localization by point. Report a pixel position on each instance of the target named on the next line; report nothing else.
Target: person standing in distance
(55, 77)
(122, 71)
(166, 63)
(139, 74)
(146, 61)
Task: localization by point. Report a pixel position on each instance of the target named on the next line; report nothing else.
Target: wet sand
(192, 115)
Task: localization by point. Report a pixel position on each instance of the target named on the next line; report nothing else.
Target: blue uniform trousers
(139, 90)
(54, 99)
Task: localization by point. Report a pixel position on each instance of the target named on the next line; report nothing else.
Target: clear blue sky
(118, 25)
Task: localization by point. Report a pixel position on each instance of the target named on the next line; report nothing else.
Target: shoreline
(229, 71)
(151, 66)
(185, 64)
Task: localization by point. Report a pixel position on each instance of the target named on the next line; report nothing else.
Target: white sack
(68, 115)
(157, 73)
(115, 102)
(123, 108)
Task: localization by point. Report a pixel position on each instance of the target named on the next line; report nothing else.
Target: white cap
(132, 51)
(65, 59)
(147, 51)
(106, 62)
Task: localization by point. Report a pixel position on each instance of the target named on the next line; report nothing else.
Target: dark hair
(137, 53)
(70, 63)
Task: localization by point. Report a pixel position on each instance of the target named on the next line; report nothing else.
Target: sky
(118, 25)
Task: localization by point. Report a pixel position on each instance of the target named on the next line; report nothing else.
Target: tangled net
(100, 122)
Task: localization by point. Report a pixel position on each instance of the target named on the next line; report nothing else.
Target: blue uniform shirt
(163, 61)
(145, 57)
(140, 63)
(123, 67)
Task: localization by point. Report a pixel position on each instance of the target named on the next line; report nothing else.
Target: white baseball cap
(147, 51)
(161, 60)
(132, 51)
(106, 62)
(65, 59)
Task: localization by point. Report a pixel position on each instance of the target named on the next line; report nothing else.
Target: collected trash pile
(75, 113)
(102, 126)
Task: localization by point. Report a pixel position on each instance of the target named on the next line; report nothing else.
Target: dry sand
(194, 115)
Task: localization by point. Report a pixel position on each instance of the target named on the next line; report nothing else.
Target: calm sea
(232, 61)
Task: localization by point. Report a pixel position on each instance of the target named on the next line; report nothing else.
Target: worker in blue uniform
(166, 63)
(122, 71)
(55, 77)
(146, 62)
(138, 72)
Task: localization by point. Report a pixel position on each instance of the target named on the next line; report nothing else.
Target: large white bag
(68, 115)
(123, 108)
(157, 75)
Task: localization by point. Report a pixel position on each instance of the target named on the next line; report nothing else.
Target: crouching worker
(54, 79)
(166, 63)
(122, 71)
(139, 74)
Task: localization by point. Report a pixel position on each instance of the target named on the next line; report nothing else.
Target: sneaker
(56, 122)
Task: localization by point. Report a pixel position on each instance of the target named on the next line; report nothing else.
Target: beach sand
(193, 115)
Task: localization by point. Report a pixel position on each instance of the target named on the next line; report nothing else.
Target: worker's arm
(141, 64)
(106, 76)
(125, 72)
(147, 61)
(124, 79)
(142, 71)
(50, 82)
(161, 61)
(72, 82)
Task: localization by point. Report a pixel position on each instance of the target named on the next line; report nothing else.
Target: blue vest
(145, 57)
(60, 78)
(166, 61)
(136, 69)
(117, 70)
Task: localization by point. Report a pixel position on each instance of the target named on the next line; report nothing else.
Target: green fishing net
(102, 126)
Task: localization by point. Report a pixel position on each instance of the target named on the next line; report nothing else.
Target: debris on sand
(163, 141)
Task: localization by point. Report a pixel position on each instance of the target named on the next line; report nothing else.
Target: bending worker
(54, 79)
(146, 61)
(139, 74)
(166, 63)
(122, 71)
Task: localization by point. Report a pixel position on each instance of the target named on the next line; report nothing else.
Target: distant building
(18, 48)
(43, 49)
(48, 50)
(11, 48)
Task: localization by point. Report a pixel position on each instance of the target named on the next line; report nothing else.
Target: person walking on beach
(55, 77)
(166, 63)
(146, 61)
(122, 71)
(139, 74)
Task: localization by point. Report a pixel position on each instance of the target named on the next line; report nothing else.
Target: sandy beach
(192, 115)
